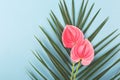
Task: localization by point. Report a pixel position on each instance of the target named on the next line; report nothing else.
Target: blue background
(19, 20)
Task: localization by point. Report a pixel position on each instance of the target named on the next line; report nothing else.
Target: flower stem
(76, 71)
(72, 71)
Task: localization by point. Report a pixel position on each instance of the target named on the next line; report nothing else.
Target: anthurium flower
(83, 52)
(71, 35)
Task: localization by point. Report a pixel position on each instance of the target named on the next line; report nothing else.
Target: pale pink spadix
(83, 52)
(71, 35)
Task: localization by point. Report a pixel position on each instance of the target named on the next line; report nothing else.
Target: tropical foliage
(57, 63)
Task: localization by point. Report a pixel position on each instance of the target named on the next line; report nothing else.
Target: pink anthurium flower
(83, 52)
(71, 35)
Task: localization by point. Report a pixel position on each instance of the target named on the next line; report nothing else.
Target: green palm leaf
(58, 61)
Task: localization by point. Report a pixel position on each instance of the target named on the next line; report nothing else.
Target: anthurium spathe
(71, 35)
(83, 52)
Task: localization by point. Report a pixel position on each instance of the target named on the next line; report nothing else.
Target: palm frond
(82, 15)
(91, 21)
(73, 12)
(59, 56)
(115, 76)
(32, 75)
(93, 35)
(102, 73)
